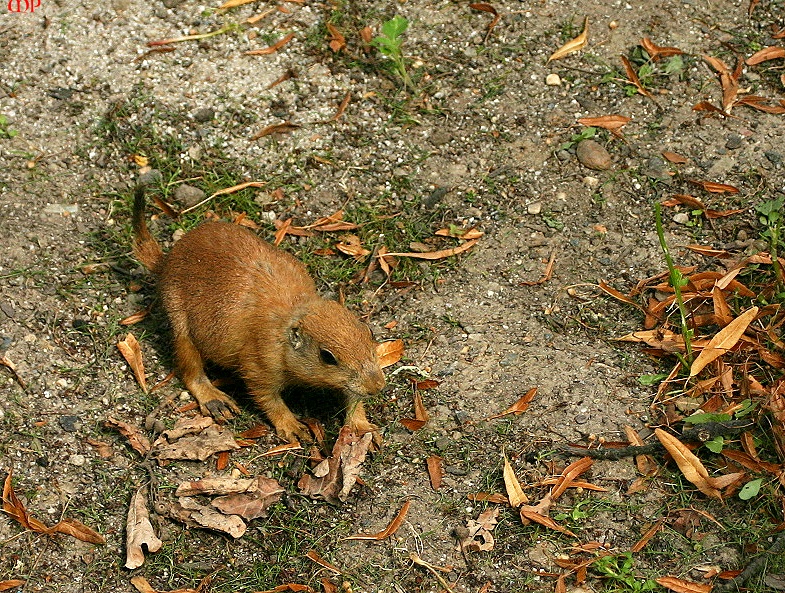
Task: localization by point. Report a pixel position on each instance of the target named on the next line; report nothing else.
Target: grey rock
(435, 197)
(656, 168)
(8, 309)
(204, 114)
(188, 195)
(593, 155)
(774, 157)
(69, 423)
(172, 3)
(151, 177)
(440, 137)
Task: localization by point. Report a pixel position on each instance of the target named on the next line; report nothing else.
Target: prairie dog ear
(296, 340)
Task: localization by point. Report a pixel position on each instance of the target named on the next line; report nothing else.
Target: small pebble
(534, 208)
(76, 459)
(681, 218)
(69, 423)
(188, 195)
(553, 79)
(593, 155)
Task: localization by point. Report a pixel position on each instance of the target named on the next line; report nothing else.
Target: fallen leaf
(281, 128)
(337, 40)
(539, 514)
(723, 341)
(688, 463)
(216, 485)
(271, 49)
(569, 474)
(459, 233)
(656, 51)
(427, 384)
(707, 106)
(297, 588)
(4, 361)
(645, 463)
(574, 45)
(132, 352)
(136, 439)
(612, 123)
(14, 508)
(546, 275)
(767, 53)
(394, 525)
(433, 255)
(389, 352)
(632, 76)
(341, 108)
(234, 3)
(479, 537)
(351, 245)
(334, 477)
(314, 556)
(607, 288)
(190, 511)
(135, 317)
(675, 158)
(412, 424)
(197, 447)
(103, 449)
(485, 7)
(761, 104)
(435, 471)
(281, 449)
(728, 80)
(515, 493)
(519, 407)
(646, 537)
(420, 413)
(10, 584)
(139, 531)
(715, 188)
(682, 586)
(253, 503)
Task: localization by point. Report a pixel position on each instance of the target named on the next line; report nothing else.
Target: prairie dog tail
(146, 248)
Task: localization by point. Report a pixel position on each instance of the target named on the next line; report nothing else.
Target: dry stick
(755, 567)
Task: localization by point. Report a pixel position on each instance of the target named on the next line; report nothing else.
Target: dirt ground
(483, 141)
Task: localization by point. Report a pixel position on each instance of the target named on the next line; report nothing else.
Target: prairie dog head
(329, 347)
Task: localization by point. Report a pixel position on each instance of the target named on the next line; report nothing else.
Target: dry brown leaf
(337, 40)
(142, 585)
(767, 53)
(412, 424)
(351, 245)
(479, 537)
(435, 471)
(5, 361)
(341, 108)
(139, 531)
(527, 513)
(646, 537)
(334, 477)
(645, 463)
(315, 557)
(197, 447)
(723, 341)
(656, 51)
(420, 413)
(426, 384)
(485, 7)
(132, 352)
(632, 76)
(709, 251)
(282, 128)
(605, 287)
(682, 586)
(459, 233)
(708, 106)
(234, 4)
(433, 255)
(728, 80)
(10, 584)
(515, 493)
(761, 104)
(190, 511)
(272, 49)
(612, 123)
(136, 439)
(389, 352)
(574, 45)
(675, 158)
(216, 485)
(688, 463)
(253, 503)
(103, 449)
(135, 317)
(546, 275)
(281, 449)
(519, 407)
(572, 471)
(394, 525)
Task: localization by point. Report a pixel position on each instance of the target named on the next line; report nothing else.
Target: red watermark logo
(23, 5)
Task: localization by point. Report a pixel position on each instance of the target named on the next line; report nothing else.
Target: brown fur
(235, 300)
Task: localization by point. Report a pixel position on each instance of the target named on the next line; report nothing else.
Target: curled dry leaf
(485, 7)
(281, 128)
(767, 53)
(479, 537)
(459, 233)
(337, 40)
(515, 493)
(139, 531)
(569, 474)
(632, 76)
(11, 584)
(682, 586)
(675, 158)
(389, 352)
(190, 511)
(351, 245)
(435, 471)
(132, 352)
(612, 123)
(273, 48)
(434, 255)
(723, 341)
(656, 51)
(688, 463)
(715, 188)
(486, 497)
(136, 439)
(394, 525)
(574, 45)
(761, 104)
(198, 447)
(253, 503)
(519, 407)
(314, 556)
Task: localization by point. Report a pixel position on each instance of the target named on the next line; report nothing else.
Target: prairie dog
(243, 304)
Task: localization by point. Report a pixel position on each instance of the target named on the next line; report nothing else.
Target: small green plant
(585, 134)
(677, 280)
(389, 45)
(770, 216)
(619, 570)
(5, 131)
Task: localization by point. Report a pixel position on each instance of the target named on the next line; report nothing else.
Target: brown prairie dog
(237, 301)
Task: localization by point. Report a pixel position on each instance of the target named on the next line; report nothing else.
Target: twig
(755, 567)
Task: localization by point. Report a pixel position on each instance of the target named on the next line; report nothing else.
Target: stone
(204, 114)
(188, 195)
(593, 155)
(151, 177)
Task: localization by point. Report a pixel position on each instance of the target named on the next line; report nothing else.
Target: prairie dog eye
(327, 357)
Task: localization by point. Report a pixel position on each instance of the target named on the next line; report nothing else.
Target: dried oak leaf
(139, 531)
(197, 447)
(252, 504)
(189, 511)
(479, 537)
(334, 477)
(138, 442)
